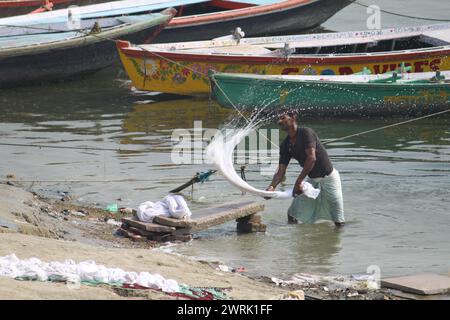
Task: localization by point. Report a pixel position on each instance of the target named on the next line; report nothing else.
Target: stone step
(420, 284)
(153, 227)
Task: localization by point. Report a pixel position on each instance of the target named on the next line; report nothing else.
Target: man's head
(287, 119)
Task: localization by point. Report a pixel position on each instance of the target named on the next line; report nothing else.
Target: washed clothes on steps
(173, 206)
(86, 271)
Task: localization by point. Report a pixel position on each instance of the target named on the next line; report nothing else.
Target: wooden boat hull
(285, 17)
(71, 58)
(186, 73)
(319, 98)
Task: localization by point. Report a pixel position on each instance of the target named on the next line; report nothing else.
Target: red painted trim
(133, 52)
(223, 15)
(28, 3)
(122, 44)
(229, 5)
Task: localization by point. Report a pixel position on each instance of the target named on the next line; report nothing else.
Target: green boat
(347, 95)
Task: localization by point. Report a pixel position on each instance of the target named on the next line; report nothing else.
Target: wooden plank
(132, 236)
(421, 284)
(143, 233)
(148, 226)
(171, 222)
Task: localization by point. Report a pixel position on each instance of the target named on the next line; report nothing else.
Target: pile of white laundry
(89, 271)
(173, 206)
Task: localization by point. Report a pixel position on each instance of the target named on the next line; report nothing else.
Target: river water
(396, 181)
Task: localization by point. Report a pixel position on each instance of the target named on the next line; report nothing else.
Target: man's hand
(298, 189)
(269, 188)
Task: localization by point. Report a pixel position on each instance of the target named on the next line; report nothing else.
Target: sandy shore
(29, 228)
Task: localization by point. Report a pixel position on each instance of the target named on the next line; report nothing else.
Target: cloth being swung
(220, 153)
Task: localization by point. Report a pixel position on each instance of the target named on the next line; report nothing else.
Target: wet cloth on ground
(85, 271)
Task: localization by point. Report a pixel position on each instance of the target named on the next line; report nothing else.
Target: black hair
(293, 113)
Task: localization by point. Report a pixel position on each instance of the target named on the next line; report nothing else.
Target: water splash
(220, 153)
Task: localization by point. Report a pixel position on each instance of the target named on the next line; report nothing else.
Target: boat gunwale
(28, 3)
(270, 80)
(229, 15)
(90, 11)
(139, 52)
(82, 40)
(365, 36)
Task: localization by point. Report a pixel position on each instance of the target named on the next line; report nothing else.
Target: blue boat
(199, 19)
(102, 10)
(34, 58)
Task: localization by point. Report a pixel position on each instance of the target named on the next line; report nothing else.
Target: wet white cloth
(173, 206)
(220, 153)
(13, 267)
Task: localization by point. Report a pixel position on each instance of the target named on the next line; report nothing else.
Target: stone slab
(171, 222)
(214, 216)
(210, 217)
(420, 284)
(153, 227)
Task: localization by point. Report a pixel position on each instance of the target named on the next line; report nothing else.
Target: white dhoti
(329, 205)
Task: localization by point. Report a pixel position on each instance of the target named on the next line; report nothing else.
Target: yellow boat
(182, 68)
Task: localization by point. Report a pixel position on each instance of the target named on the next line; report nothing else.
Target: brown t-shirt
(306, 138)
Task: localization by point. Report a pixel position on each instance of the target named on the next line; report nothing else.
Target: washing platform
(169, 229)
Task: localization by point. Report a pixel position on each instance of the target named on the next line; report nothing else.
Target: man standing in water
(304, 145)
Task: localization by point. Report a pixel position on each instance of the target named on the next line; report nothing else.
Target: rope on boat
(206, 76)
(63, 147)
(388, 126)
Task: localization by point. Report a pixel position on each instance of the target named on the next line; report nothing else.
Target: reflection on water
(157, 120)
(395, 181)
(310, 248)
(163, 116)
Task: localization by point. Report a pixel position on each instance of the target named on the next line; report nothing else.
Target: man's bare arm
(310, 161)
(278, 176)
